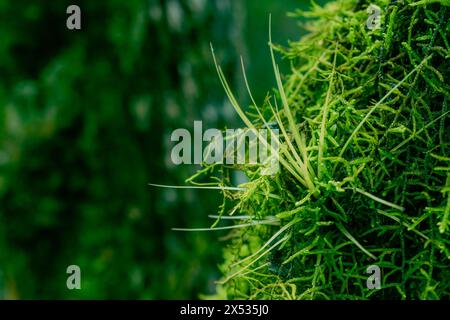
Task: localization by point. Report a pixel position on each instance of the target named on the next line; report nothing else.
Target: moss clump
(365, 163)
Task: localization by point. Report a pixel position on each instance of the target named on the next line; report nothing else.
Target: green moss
(365, 163)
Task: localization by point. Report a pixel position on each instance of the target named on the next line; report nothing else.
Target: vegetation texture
(365, 163)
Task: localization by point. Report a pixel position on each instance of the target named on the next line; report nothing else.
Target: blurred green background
(85, 123)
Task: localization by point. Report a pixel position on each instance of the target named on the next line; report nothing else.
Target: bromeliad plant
(364, 162)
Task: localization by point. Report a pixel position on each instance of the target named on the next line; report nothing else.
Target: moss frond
(365, 161)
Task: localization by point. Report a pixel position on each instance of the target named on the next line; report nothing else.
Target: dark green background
(85, 123)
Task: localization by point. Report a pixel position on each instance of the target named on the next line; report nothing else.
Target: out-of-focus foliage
(84, 116)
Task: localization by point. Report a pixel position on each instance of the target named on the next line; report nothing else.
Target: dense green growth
(365, 162)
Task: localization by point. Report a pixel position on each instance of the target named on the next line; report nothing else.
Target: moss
(365, 163)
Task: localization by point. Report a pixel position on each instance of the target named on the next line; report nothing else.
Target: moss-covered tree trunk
(364, 181)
